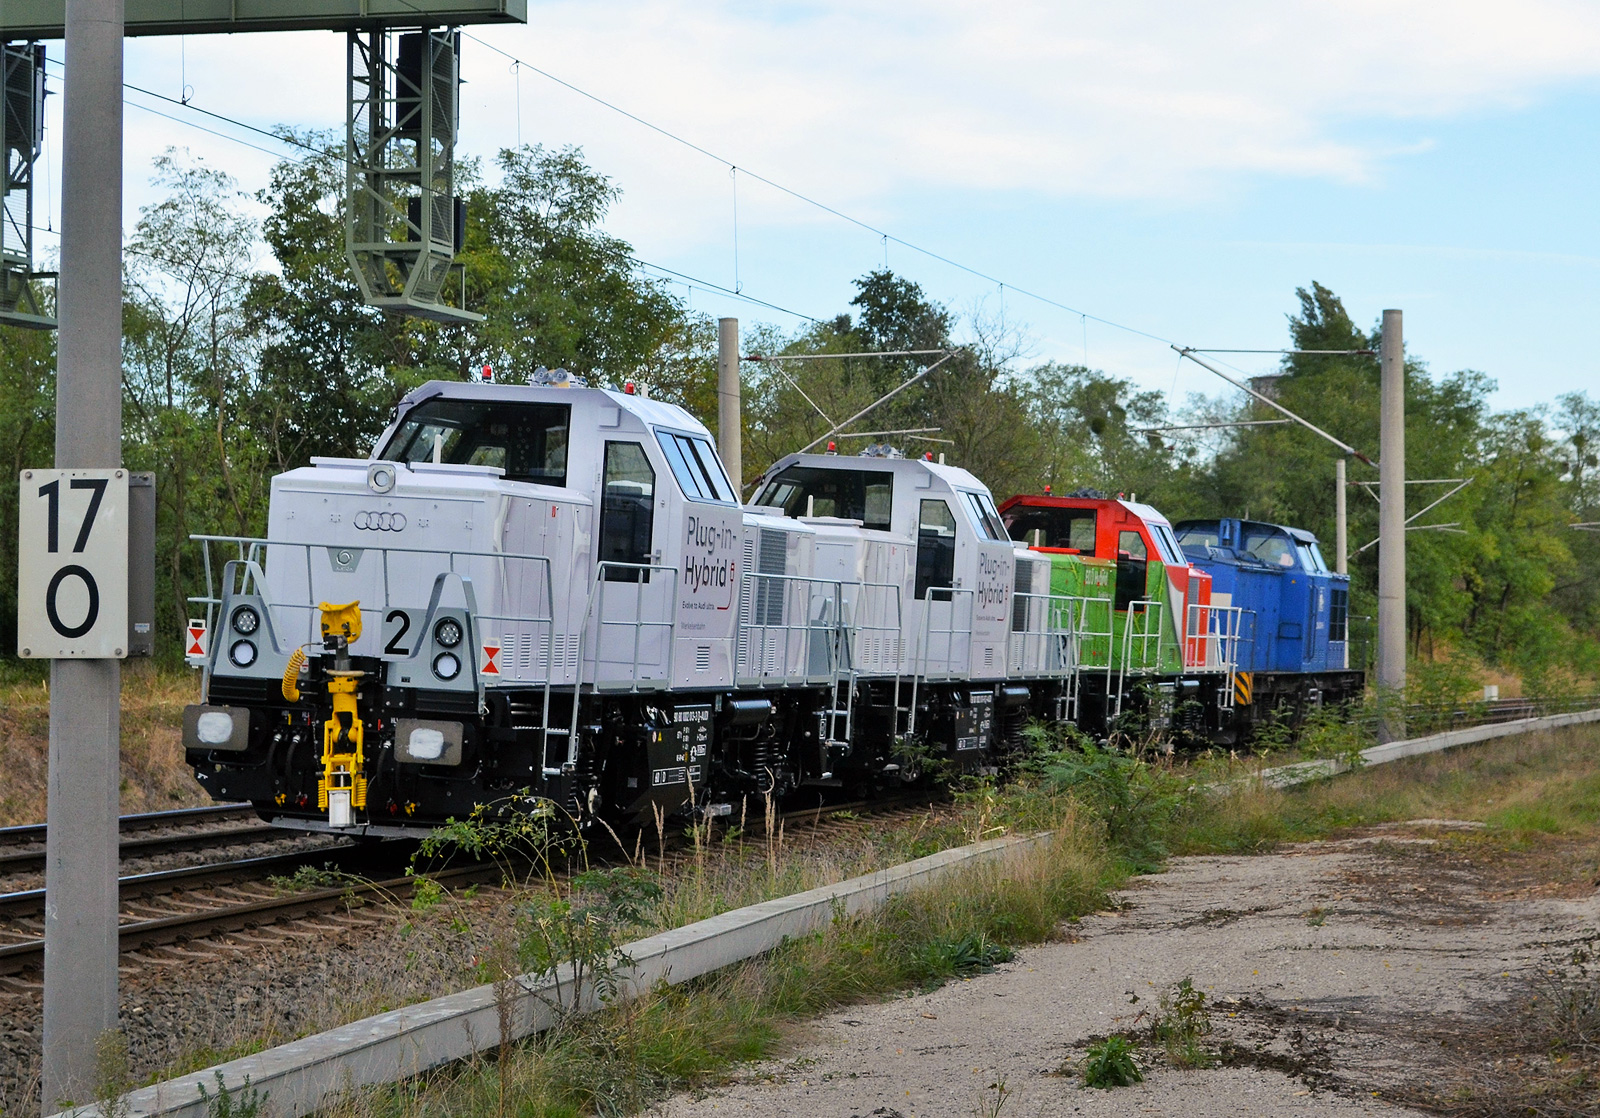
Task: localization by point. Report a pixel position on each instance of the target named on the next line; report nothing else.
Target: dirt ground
(1398, 966)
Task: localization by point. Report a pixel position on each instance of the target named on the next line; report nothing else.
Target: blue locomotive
(1294, 648)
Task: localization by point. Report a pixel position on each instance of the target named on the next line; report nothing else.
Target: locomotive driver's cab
(1123, 532)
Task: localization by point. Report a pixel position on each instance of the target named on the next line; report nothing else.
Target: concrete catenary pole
(730, 428)
(1341, 524)
(1392, 531)
(80, 930)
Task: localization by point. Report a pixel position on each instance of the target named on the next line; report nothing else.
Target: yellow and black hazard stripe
(1241, 689)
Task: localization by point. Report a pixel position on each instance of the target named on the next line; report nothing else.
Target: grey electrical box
(141, 564)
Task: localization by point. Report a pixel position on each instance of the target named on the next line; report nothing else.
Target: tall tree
(189, 371)
(27, 438)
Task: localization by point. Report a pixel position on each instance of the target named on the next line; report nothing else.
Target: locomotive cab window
(936, 551)
(1311, 557)
(985, 521)
(627, 511)
(1270, 546)
(1132, 569)
(697, 467)
(1072, 528)
(527, 441)
(864, 495)
(1199, 537)
(1167, 544)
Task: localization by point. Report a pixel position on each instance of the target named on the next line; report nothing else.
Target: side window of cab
(936, 550)
(627, 512)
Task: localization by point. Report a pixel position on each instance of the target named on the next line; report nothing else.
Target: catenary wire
(807, 199)
(703, 284)
(797, 195)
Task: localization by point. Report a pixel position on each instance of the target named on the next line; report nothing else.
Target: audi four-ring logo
(381, 521)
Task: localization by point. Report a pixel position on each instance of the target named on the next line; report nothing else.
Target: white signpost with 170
(72, 565)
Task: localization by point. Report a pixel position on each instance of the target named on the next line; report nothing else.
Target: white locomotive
(557, 590)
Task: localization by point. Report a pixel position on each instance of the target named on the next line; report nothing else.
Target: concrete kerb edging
(1288, 775)
(309, 1073)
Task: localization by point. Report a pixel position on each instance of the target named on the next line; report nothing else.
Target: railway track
(22, 849)
(175, 906)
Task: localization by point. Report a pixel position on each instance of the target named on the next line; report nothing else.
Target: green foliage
(575, 936)
(521, 829)
(969, 954)
(27, 436)
(1110, 1063)
(307, 877)
(1180, 1025)
(1134, 800)
(426, 894)
(1336, 733)
(246, 1102)
(113, 1073)
(1441, 688)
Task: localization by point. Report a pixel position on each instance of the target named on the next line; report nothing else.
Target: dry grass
(154, 776)
(624, 1059)
(1528, 789)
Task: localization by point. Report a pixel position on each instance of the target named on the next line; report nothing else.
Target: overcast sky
(1174, 168)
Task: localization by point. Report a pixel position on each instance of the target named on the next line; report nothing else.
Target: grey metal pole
(1341, 525)
(730, 429)
(80, 930)
(1392, 532)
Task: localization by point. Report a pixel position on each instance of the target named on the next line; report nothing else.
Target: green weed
(1110, 1063)
(306, 878)
(1181, 1023)
(247, 1102)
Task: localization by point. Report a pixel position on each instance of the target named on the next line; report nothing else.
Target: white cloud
(1136, 99)
(857, 104)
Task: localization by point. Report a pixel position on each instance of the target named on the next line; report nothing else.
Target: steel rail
(145, 821)
(32, 860)
(19, 903)
(29, 954)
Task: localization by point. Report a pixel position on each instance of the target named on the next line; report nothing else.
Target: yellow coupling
(343, 787)
(291, 675)
(343, 755)
(341, 621)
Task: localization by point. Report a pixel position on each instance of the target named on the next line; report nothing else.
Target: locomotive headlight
(214, 727)
(448, 632)
(446, 666)
(425, 744)
(242, 653)
(246, 620)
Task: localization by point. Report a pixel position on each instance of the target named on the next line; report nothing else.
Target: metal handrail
(597, 598)
(924, 638)
(254, 551)
(1049, 607)
(895, 632)
(745, 628)
(1220, 636)
(1145, 608)
(857, 635)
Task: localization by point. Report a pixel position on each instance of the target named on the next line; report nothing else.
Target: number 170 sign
(72, 564)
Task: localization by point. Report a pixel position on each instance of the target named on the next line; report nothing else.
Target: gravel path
(1335, 972)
